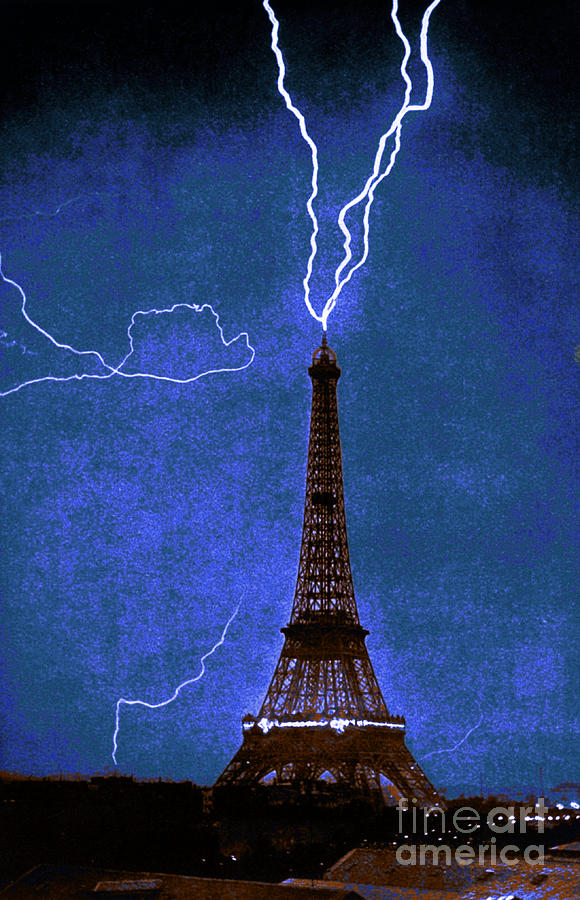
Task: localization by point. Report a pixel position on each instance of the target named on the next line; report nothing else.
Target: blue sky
(139, 513)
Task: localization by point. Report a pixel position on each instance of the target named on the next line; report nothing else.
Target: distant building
(566, 792)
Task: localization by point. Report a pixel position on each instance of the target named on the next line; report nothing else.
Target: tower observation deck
(324, 717)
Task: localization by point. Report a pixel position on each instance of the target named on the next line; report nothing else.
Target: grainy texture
(147, 159)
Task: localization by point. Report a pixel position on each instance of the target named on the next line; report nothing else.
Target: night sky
(147, 159)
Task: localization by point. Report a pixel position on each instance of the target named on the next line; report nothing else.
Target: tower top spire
(324, 364)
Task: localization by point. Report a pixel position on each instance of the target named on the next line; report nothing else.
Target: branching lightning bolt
(124, 702)
(117, 369)
(460, 742)
(377, 174)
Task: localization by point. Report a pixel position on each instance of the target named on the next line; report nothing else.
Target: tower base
(371, 759)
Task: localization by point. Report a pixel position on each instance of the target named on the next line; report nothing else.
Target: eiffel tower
(324, 717)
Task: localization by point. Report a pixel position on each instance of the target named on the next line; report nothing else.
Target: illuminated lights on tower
(324, 716)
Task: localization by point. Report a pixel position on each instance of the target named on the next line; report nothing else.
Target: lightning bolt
(41, 214)
(111, 370)
(377, 175)
(122, 701)
(460, 742)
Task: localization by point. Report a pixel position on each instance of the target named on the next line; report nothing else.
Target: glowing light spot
(338, 725)
(124, 702)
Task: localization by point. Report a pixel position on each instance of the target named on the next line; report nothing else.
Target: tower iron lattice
(324, 717)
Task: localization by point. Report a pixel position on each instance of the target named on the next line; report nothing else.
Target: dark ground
(266, 835)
